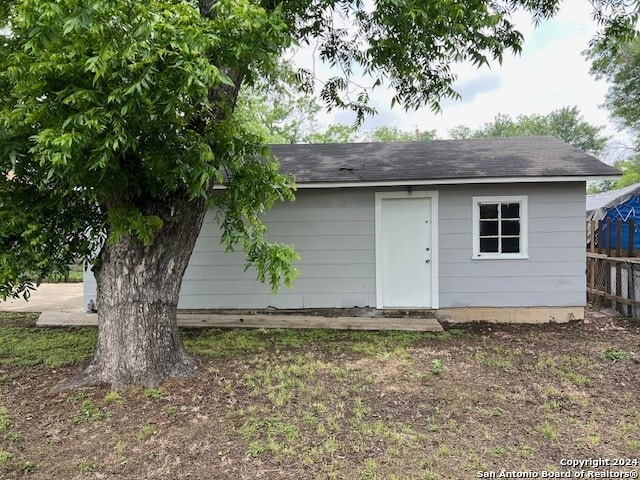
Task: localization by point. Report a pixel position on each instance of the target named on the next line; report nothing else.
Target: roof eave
(450, 181)
(456, 181)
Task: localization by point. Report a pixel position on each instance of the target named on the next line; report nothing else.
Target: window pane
(511, 227)
(510, 210)
(488, 228)
(488, 210)
(511, 245)
(489, 245)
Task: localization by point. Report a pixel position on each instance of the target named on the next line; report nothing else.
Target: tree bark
(137, 298)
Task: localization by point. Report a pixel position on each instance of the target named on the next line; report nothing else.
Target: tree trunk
(137, 298)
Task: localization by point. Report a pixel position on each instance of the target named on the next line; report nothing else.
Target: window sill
(488, 256)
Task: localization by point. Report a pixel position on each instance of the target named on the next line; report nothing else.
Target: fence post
(607, 247)
(631, 294)
(619, 306)
(632, 282)
(600, 236)
(591, 283)
(632, 237)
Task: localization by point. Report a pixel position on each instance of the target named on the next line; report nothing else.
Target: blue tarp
(625, 211)
(614, 205)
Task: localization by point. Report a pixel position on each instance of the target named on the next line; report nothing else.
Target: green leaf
(225, 80)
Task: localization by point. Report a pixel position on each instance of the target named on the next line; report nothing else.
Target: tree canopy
(284, 115)
(111, 106)
(118, 118)
(566, 124)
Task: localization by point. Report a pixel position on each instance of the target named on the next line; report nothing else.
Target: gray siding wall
(554, 273)
(332, 231)
(89, 288)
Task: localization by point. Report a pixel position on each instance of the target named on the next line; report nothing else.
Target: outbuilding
(488, 229)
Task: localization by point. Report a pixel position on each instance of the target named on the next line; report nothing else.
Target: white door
(405, 252)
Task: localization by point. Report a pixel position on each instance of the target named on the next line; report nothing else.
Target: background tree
(334, 133)
(427, 135)
(630, 169)
(339, 133)
(279, 110)
(119, 116)
(566, 124)
(618, 61)
(389, 134)
(394, 134)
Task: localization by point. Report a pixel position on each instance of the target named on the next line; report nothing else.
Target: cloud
(550, 73)
(469, 89)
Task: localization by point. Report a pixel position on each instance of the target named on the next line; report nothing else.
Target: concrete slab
(203, 320)
(67, 319)
(530, 315)
(49, 297)
(61, 305)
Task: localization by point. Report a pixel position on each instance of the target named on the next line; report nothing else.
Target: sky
(550, 73)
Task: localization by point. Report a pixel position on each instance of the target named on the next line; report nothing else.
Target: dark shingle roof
(438, 160)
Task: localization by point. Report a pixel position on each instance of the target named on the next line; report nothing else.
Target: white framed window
(500, 227)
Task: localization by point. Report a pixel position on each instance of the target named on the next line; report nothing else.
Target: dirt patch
(344, 405)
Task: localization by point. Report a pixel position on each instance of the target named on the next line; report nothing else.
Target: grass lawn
(75, 276)
(319, 404)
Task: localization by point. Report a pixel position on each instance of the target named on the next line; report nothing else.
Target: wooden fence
(613, 273)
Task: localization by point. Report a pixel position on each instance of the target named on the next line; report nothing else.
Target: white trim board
(433, 195)
(452, 181)
(448, 181)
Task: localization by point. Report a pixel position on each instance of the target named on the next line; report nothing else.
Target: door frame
(379, 197)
